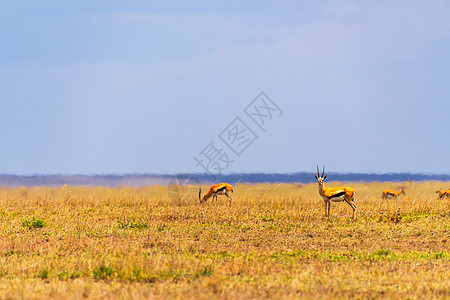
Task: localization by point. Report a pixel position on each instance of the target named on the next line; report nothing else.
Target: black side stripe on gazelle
(221, 189)
(338, 195)
(390, 194)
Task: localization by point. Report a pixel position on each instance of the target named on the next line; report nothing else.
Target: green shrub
(43, 274)
(103, 272)
(34, 223)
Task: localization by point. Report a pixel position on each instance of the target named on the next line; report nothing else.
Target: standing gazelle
(443, 194)
(392, 194)
(217, 189)
(334, 194)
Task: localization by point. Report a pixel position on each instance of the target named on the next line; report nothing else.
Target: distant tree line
(112, 180)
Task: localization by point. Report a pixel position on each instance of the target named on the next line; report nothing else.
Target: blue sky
(143, 87)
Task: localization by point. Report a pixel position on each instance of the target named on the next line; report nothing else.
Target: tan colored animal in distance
(215, 190)
(338, 194)
(392, 194)
(443, 194)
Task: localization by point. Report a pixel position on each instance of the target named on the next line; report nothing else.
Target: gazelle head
(402, 191)
(203, 197)
(320, 179)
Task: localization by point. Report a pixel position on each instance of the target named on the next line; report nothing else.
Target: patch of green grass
(103, 272)
(133, 224)
(63, 275)
(34, 223)
(139, 275)
(439, 255)
(9, 253)
(174, 276)
(382, 252)
(204, 272)
(43, 274)
(224, 254)
(74, 275)
(266, 218)
(394, 217)
(243, 227)
(416, 215)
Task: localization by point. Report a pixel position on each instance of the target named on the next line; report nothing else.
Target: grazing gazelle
(217, 189)
(443, 194)
(335, 194)
(392, 194)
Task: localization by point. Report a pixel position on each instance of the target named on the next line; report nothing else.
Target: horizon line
(218, 174)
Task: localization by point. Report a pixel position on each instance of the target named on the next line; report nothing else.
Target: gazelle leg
(327, 208)
(353, 206)
(229, 197)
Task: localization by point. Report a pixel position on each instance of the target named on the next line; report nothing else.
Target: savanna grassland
(272, 242)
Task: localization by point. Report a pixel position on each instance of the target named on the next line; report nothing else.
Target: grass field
(273, 242)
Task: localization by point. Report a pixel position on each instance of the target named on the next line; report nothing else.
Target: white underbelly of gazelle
(339, 198)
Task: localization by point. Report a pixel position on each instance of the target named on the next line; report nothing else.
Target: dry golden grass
(273, 242)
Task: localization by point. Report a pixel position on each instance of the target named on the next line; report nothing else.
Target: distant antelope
(443, 194)
(334, 194)
(215, 190)
(392, 194)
